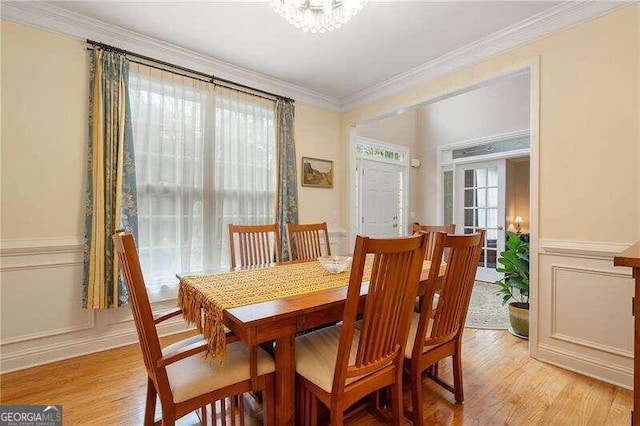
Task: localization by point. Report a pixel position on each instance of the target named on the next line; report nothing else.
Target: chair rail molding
(589, 249)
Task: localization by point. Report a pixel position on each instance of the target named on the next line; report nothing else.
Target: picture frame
(317, 173)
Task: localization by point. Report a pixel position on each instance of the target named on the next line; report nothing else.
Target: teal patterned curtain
(287, 184)
(110, 200)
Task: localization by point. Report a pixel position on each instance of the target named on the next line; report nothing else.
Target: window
(205, 157)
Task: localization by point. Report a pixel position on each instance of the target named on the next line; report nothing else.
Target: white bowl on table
(335, 264)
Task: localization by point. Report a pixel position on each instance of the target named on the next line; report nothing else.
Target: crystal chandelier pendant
(317, 16)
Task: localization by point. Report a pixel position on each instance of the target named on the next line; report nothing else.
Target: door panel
(480, 189)
(379, 198)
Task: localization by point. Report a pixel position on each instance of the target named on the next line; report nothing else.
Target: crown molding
(554, 19)
(70, 24)
(60, 21)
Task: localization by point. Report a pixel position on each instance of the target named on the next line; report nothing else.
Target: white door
(480, 203)
(379, 198)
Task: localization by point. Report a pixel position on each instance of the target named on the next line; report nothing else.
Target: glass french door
(480, 203)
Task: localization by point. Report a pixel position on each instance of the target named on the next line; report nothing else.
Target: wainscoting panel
(585, 322)
(39, 302)
(41, 318)
(572, 289)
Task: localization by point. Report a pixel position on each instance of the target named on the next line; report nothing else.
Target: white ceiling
(384, 40)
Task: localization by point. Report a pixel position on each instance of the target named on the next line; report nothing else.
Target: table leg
(285, 380)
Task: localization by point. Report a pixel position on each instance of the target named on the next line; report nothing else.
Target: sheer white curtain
(204, 158)
(244, 173)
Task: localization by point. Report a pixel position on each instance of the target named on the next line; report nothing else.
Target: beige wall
(317, 135)
(589, 182)
(517, 193)
(399, 129)
(44, 110)
(44, 119)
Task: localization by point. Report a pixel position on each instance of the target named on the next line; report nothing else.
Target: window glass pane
(481, 215)
(491, 258)
(468, 217)
(493, 176)
(492, 218)
(481, 177)
(363, 150)
(492, 197)
(481, 197)
(469, 198)
(509, 144)
(482, 258)
(469, 179)
(447, 194)
(468, 230)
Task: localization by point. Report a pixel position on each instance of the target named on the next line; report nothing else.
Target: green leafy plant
(515, 267)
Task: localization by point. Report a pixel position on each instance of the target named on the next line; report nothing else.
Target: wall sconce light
(518, 222)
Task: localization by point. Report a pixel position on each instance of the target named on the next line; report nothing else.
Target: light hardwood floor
(503, 385)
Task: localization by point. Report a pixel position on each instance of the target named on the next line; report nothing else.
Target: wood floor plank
(503, 385)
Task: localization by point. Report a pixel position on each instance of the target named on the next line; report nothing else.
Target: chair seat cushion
(196, 375)
(182, 343)
(412, 335)
(316, 354)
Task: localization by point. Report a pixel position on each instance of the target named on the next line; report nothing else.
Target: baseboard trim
(587, 366)
(46, 354)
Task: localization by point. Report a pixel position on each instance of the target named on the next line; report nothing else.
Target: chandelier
(317, 16)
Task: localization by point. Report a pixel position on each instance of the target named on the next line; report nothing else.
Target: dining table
(277, 320)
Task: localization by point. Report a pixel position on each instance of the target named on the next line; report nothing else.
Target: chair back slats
(305, 241)
(392, 288)
(125, 249)
(447, 229)
(457, 285)
(256, 245)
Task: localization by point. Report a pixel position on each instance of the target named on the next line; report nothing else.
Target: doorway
(433, 174)
(480, 189)
(381, 183)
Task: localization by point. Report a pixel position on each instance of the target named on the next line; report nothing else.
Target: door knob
(500, 228)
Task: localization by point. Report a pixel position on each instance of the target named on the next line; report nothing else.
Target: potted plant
(515, 284)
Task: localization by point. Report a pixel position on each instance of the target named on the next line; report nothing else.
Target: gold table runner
(210, 295)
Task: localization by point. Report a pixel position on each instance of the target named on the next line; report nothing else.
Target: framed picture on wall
(317, 173)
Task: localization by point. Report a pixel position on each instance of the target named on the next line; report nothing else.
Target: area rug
(485, 309)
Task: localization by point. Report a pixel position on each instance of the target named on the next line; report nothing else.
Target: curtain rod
(199, 75)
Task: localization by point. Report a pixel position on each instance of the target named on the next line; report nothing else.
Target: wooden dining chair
(305, 242)
(341, 364)
(180, 374)
(255, 244)
(447, 229)
(429, 229)
(435, 335)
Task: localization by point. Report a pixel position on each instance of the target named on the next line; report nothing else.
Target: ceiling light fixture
(317, 16)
